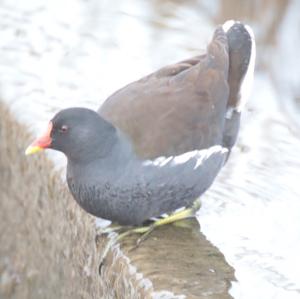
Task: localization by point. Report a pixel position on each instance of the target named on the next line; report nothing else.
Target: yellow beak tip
(32, 150)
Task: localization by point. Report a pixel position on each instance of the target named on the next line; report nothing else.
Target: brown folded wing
(181, 107)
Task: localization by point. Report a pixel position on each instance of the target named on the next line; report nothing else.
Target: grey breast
(144, 189)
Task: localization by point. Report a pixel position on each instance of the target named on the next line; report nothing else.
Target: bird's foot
(147, 230)
(174, 217)
(111, 228)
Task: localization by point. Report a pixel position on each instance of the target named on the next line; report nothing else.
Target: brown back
(180, 107)
(176, 109)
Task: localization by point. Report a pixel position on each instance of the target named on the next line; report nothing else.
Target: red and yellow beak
(41, 143)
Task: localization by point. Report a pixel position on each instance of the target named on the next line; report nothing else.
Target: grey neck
(122, 153)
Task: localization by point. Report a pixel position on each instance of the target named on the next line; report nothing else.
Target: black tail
(241, 45)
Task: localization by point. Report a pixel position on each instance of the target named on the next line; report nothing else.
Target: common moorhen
(158, 143)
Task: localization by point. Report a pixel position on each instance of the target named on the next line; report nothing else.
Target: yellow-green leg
(146, 230)
(176, 216)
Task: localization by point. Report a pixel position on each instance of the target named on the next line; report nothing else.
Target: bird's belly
(132, 205)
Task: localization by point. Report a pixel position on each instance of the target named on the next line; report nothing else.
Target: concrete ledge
(47, 243)
(50, 247)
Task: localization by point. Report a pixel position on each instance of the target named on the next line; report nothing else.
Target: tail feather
(241, 49)
(241, 46)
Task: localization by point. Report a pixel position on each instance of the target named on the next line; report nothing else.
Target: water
(55, 55)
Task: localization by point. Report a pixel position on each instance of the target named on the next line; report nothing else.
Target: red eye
(63, 129)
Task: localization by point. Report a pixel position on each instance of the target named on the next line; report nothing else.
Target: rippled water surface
(56, 54)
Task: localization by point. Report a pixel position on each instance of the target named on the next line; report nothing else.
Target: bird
(157, 144)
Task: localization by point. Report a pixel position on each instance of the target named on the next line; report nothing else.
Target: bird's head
(79, 133)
